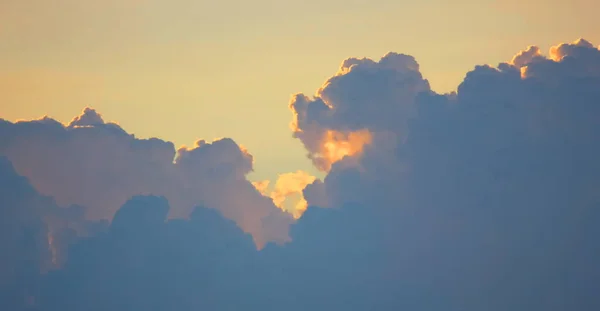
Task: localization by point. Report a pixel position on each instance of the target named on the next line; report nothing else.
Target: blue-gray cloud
(489, 198)
(99, 166)
(483, 199)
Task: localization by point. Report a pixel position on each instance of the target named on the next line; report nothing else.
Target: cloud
(487, 199)
(89, 117)
(99, 166)
(146, 261)
(34, 236)
(23, 236)
(482, 199)
(287, 193)
(363, 98)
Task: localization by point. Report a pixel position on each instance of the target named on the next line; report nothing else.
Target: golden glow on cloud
(287, 191)
(337, 145)
(262, 186)
(556, 53)
(523, 72)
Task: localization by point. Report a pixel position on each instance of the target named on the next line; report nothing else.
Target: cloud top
(100, 166)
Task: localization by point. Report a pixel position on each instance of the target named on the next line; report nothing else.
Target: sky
(299, 156)
(187, 70)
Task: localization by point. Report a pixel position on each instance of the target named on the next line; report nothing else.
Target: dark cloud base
(484, 199)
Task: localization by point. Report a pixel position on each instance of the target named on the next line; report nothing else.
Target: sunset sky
(192, 155)
(185, 70)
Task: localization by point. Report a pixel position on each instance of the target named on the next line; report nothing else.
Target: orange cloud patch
(333, 146)
(286, 193)
(337, 145)
(100, 166)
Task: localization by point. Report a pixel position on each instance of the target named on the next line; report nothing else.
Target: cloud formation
(363, 97)
(488, 198)
(99, 166)
(23, 237)
(483, 199)
(35, 234)
(287, 193)
(146, 262)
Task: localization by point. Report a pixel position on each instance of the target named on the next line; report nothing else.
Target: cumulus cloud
(287, 193)
(34, 236)
(23, 246)
(146, 261)
(483, 199)
(488, 200)
(89, 117)
(99, 166)
(527, 56)
(363, 98)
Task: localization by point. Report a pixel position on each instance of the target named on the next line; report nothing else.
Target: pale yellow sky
(182, 70)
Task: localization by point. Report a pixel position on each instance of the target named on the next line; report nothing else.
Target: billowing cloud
(365, 97)
(487, 200)
(35, 234)
(89, 117)
(482, 199)
(287, 193)
(23, 236)
(146, 261)
(99, 166)
(527, 56)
